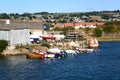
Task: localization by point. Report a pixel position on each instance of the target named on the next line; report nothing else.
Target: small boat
(54, 50)
(84, 50)
(93, 43)
(35, 56)
(50, 55)
(71, 52)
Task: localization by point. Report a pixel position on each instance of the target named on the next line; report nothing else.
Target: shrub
(97, 32)
(44, 43)
(3, 45)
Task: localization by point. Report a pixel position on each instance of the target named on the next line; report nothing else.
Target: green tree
(45, 44)
(62, 21)
(108, 29)
(4, 16)
(3, 45)
(97, 32)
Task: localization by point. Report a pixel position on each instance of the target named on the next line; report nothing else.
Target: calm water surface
(101, 65)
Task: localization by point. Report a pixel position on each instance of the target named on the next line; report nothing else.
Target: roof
(20, 24)
(60, 25)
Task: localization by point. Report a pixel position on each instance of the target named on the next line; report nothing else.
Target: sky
(57, 6)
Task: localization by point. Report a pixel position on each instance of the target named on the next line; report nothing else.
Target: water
(101, 65)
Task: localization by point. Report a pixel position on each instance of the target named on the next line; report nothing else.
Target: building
(18, 32)
(15, 36)
(78, 25)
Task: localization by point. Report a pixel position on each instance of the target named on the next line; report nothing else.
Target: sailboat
(93, 43)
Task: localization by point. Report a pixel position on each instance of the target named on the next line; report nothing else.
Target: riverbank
(19, 50)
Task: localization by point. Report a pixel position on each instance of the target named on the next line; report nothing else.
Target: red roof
(60, 25)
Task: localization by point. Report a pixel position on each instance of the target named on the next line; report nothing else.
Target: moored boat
(70, 52)
(35, 56)
(84, 50)
(54, 52)
(49, 55)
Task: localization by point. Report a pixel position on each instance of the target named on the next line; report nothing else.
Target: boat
(93, 43)
(54, 52)
(35, 56)
(70, 52)
(49, 55)
(84, 50)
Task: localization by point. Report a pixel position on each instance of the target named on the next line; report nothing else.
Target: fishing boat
(93, 43)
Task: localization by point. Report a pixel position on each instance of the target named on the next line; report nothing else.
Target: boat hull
(35, 56)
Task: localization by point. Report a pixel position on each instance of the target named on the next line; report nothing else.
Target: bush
(3, 45)
(44, 43)
(97, 32)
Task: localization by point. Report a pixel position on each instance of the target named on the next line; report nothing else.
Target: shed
(15, 36)
(17, 32)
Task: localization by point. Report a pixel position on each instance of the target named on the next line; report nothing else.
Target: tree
(108, 28)
(3, 45)
(4, 16)
(97, 32)
(62, 21)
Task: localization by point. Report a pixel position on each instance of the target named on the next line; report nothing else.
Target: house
(78, 25)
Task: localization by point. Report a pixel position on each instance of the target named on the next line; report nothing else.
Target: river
(103, 64)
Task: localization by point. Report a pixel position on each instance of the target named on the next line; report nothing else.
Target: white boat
(70, 52)
(49, 55)
(54, 50)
